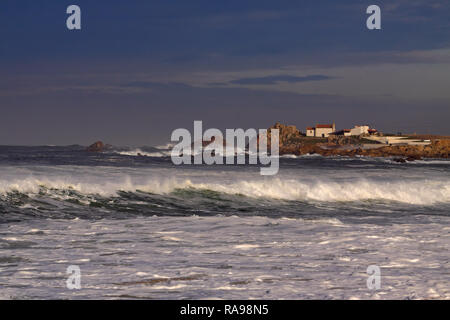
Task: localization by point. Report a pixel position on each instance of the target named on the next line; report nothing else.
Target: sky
(137, 70)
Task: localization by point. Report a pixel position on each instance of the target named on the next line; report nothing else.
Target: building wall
(359, 130)
(323, 132)
(310, 133)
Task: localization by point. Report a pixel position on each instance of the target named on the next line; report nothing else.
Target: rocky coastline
(293, 142)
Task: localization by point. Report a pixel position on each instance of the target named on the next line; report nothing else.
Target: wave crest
(416, 192)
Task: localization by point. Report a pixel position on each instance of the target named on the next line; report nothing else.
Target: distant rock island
(292, 141)
(98, 146)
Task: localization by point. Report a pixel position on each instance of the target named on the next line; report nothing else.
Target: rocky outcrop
(437, 149)
(98, 147)
(293, 142)
(343, 140)
(289, 135)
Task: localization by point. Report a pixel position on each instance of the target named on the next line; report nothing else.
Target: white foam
(414, 192)
(246, 246)
(289, 156)
(139, 152)
(167, 146)
(426, 190)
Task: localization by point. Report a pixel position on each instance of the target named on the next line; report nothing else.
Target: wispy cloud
(270, 80)
(154, 84)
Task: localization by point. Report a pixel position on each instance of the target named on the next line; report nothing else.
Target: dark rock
(399, 160)
(414, 158)
(96, 147)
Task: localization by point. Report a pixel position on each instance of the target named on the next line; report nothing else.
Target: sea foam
(413, 191)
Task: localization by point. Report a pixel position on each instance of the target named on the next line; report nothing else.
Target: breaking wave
(415, 192)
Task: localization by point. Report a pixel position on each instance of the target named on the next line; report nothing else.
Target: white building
(320, 130)
(359, 130)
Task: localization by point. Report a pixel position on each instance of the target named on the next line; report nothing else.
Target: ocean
(139, 227)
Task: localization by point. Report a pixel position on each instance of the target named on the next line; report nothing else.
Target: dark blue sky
(139, 69)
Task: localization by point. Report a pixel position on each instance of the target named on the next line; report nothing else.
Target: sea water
(139, 227)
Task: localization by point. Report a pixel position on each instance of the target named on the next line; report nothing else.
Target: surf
(412, 191)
